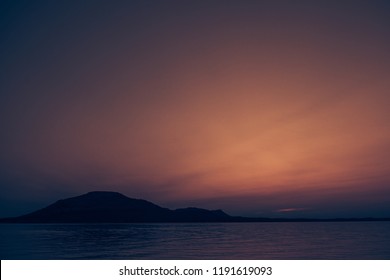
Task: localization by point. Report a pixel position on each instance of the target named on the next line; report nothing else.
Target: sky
(259, 108)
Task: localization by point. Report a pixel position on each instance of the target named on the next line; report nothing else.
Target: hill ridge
(115, 207)
(106, 206)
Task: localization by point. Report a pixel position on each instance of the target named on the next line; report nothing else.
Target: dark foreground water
(330, 240)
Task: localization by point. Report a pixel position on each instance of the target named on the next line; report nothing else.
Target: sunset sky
(259, 108)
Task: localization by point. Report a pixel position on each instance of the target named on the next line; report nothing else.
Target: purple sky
(255, 107)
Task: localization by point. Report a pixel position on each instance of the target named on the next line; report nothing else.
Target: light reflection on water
(330, 240)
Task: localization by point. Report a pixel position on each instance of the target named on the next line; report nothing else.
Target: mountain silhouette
(114, 207)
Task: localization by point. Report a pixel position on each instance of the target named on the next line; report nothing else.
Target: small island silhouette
(114, 207)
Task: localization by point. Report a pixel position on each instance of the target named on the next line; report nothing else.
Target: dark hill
(201, 215)
(113, 207)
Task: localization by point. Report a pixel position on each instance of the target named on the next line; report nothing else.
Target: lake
(302, 241)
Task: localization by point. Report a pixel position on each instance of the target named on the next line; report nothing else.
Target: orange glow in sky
(272, 107)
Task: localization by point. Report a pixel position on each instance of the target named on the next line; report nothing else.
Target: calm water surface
(330, 240)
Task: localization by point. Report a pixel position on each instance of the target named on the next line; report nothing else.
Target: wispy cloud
(283, 210)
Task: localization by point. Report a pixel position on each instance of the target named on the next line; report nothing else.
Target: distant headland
(114, 207)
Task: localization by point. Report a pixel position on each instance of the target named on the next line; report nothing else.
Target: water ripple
(338, 240)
